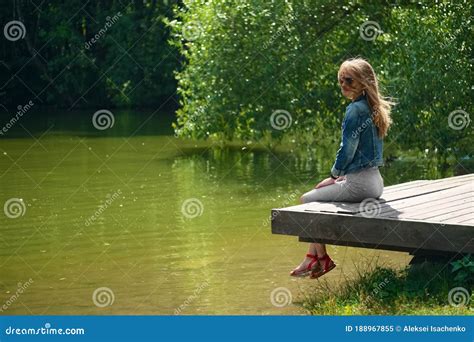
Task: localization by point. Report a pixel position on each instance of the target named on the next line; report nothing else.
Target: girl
(355, 174)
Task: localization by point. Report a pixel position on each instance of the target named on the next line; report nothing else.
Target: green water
(216, 256)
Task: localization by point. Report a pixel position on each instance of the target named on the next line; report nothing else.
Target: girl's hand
(340, 178)
(326, 182)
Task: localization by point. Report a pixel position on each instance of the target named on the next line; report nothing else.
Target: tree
(249, 62)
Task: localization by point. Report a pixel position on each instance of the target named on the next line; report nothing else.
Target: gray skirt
(359, 185)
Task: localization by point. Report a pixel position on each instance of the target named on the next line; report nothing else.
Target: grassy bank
(423, 289)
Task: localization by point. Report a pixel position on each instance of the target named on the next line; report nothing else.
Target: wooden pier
(422, 217)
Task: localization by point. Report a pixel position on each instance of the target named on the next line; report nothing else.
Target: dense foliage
(247, 59)
(249, 70)
(87, 53)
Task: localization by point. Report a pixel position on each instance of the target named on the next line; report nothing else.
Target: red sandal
(322, 270)
(308, 269)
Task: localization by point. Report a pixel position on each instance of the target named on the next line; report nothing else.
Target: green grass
(416, 290)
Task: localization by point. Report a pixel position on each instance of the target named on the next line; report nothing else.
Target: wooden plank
(393, 188)
(413, 184)
(421, 208)
(434, 214)
(457, 213)
(331, 207)
(323, 206)
(420, 202)
(469, 221)
(465, 177)
(423, 189)
(385, 210)
(427, 209)
(434, 217)
(347, 207)
(464, 219)
(354, 208)
(452, 194)
(394, 233)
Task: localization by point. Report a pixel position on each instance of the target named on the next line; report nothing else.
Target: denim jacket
(361, 146)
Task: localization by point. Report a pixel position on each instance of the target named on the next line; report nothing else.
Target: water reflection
(154, 256)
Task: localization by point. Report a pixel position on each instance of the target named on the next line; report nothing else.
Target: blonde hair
(363, 72)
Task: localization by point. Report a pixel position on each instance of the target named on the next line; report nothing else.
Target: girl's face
(349, 86)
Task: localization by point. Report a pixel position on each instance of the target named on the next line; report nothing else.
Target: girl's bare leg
(318, 249)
